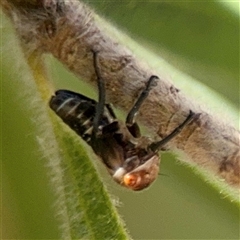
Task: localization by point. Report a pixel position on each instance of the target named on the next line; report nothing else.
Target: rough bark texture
(68, 30)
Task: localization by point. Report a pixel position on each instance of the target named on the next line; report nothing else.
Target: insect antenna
(163, 174)
(158, 145)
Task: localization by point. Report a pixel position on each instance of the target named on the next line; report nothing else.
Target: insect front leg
(130, 120)
(156, 146)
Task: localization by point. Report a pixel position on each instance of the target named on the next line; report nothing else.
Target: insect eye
(131, 180)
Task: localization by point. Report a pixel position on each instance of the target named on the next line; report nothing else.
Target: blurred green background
(198, 38)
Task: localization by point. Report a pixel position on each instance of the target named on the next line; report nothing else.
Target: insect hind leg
(101, 96)
(130, 120)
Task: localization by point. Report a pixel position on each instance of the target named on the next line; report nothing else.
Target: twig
(69, 31)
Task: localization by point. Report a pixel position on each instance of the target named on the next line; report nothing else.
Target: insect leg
(109, 107)
(158, 145)
(101, 96)
(130, 120)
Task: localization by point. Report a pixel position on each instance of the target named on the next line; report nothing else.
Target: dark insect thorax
(114, 145)
(78, 112)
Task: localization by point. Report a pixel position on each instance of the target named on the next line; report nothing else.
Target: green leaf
(83, 207)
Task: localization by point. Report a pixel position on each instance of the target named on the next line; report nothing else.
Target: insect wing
(70, 94)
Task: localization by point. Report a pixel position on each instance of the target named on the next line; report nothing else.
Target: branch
(69, 30)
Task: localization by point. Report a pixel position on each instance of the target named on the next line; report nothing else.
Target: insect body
(130, 158)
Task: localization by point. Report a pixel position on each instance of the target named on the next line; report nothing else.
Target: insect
(130, 158)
